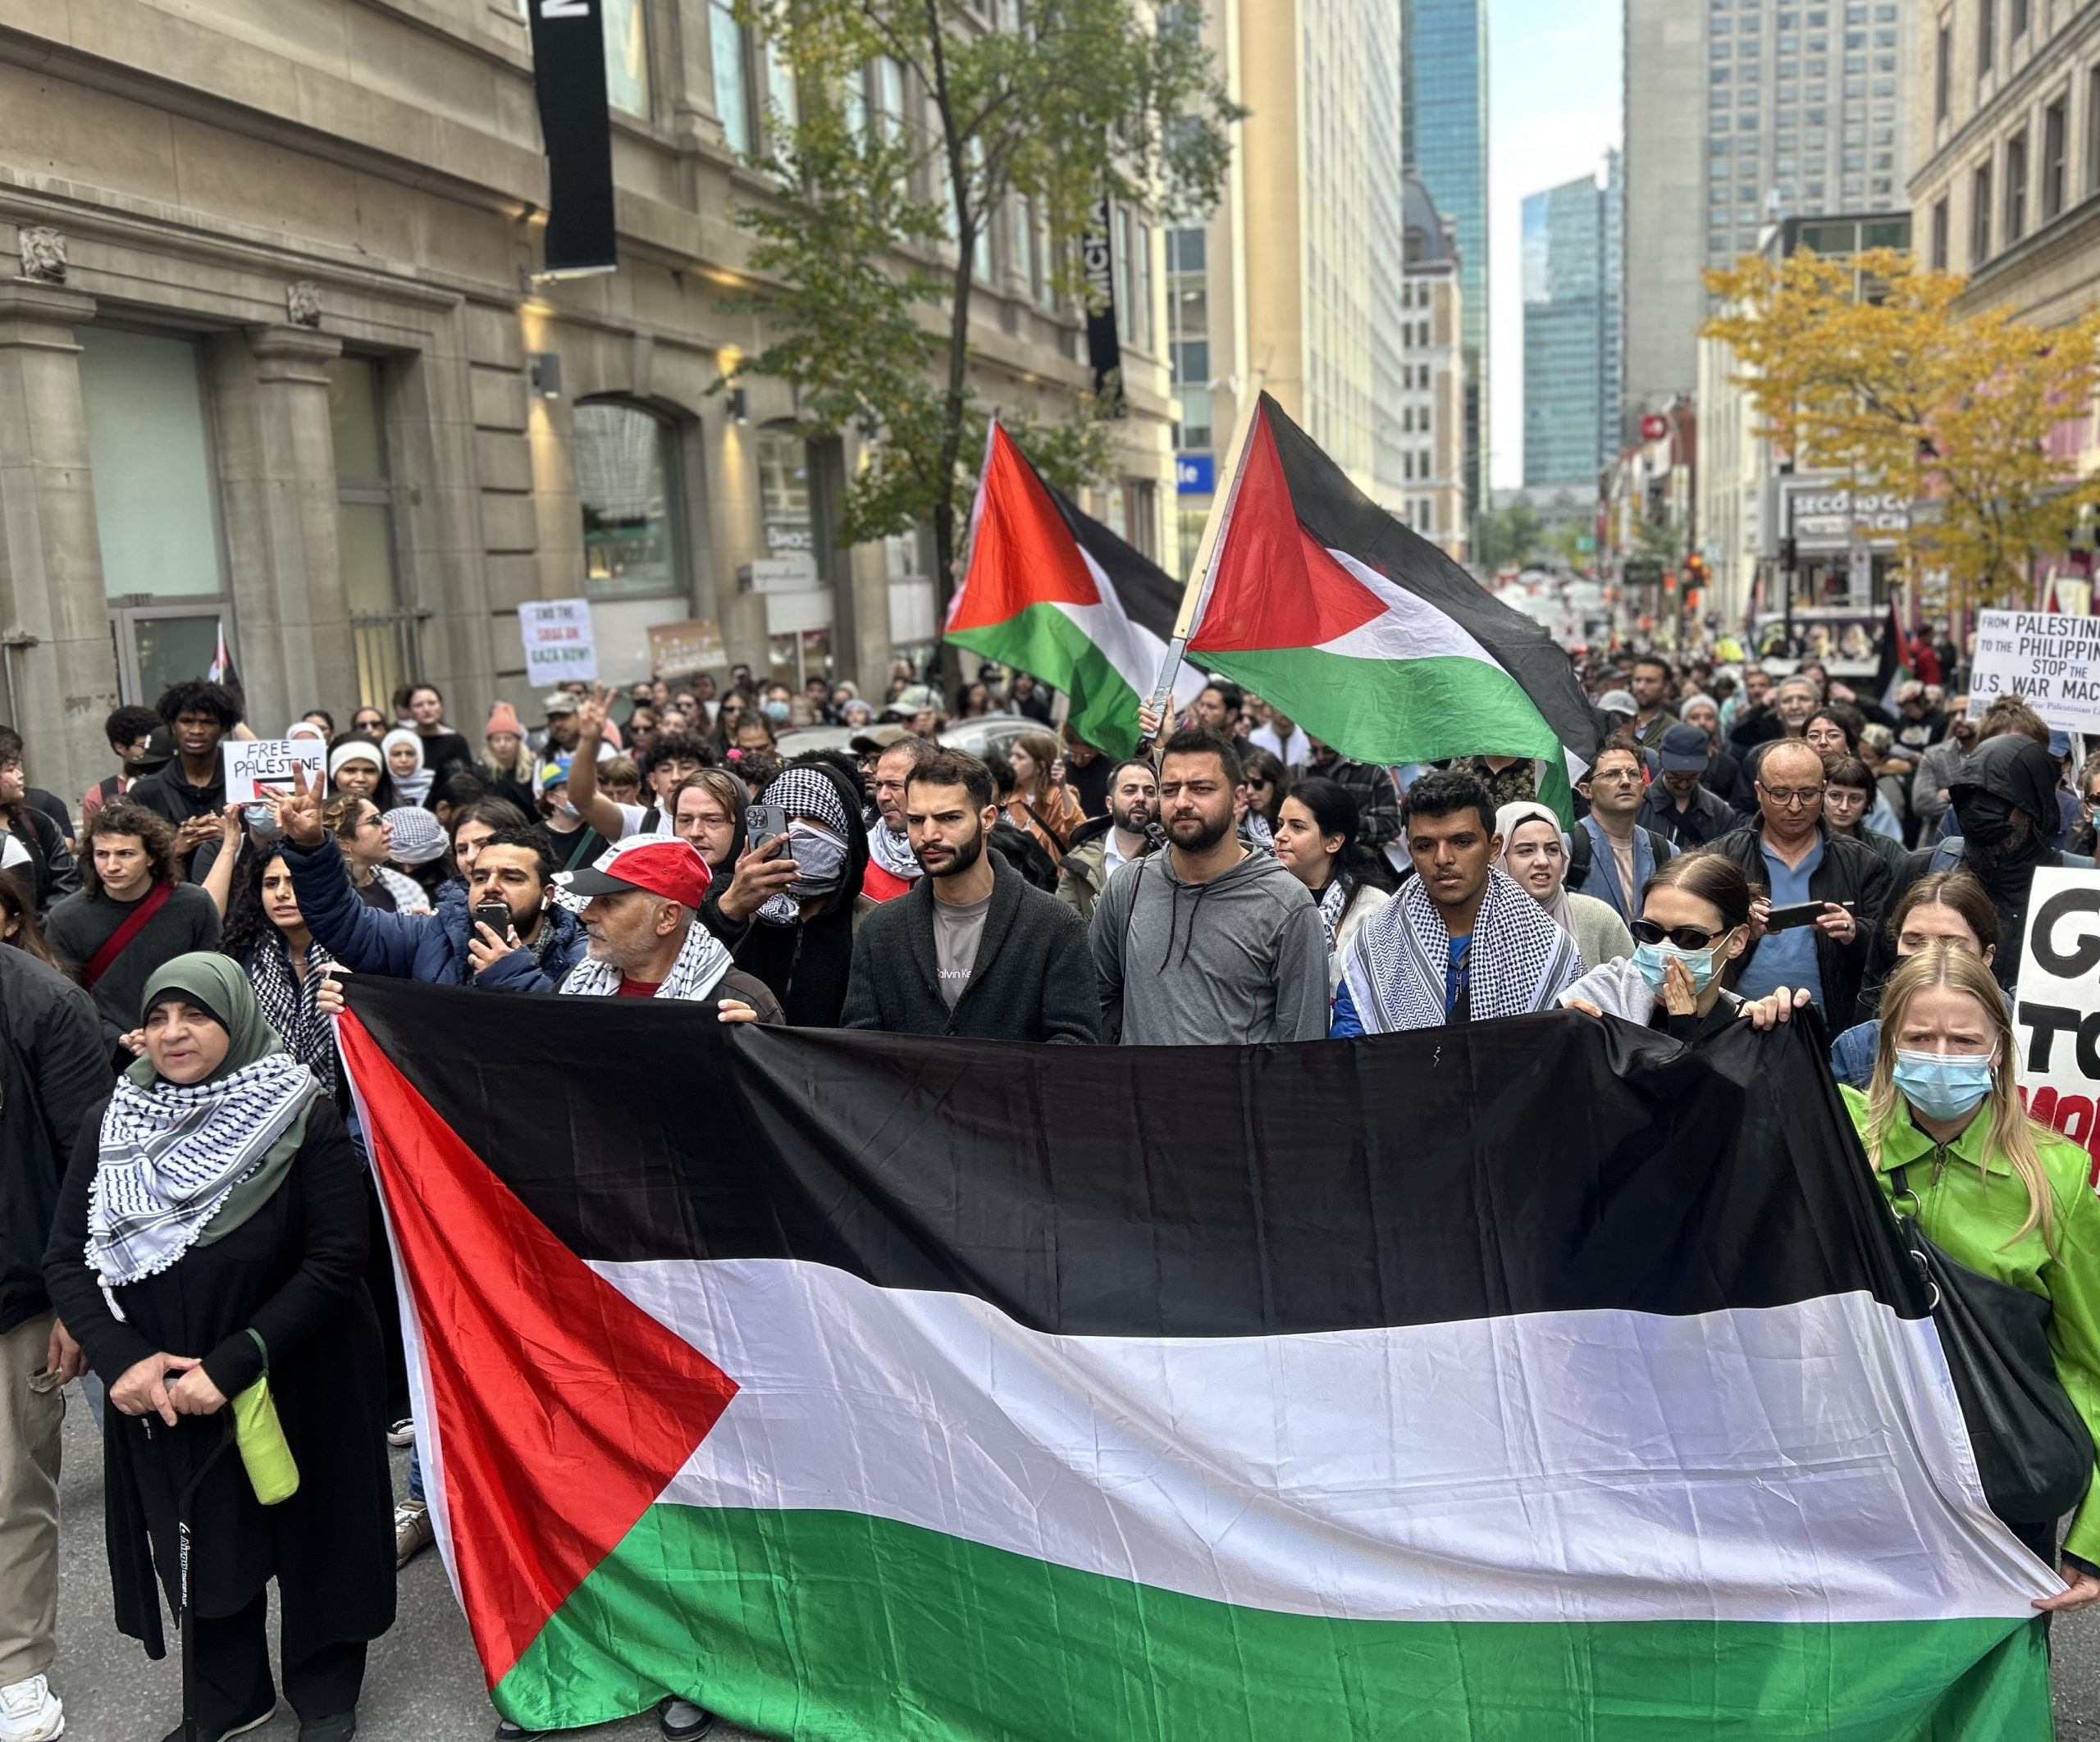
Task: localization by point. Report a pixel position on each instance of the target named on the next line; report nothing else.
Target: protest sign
(2050, 660)
(557, 644)
(677, 650)
(2059, 1015)
(259, 766)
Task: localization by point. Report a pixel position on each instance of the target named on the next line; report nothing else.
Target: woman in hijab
(402, 747)
(211, 1230)
(1535, 854)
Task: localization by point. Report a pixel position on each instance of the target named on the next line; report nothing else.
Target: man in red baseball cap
(638, 902)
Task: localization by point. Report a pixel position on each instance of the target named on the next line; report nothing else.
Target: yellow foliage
(1862, 366)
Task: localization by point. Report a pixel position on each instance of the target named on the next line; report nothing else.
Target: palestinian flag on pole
(1323, 603)
(1367, 1395)
(1052, 592)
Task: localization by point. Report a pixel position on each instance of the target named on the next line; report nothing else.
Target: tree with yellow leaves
(1860, 365)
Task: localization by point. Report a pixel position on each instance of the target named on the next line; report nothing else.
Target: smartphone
(495, 916)
(1802, 913)
(762, 823)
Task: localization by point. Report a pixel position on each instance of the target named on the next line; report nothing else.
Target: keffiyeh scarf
(804, 792)
(1520, 959)
(170, 1157)
(292, 1006)
(409, 896)
(1334, 903)
(701, 963)
(892, 852)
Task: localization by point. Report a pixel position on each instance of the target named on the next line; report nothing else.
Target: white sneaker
(29, 1711)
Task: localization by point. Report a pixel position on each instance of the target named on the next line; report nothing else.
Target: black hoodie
(2005, 776)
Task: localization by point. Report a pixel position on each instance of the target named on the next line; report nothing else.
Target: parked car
(988, 732)
(798, 740)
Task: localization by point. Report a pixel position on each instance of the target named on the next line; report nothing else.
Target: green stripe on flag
(1046, 643)
(1404, 710)
(815, 1624)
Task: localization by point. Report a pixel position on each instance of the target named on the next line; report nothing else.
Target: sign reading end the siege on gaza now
(559, 647)
(2051, 660)
(2058, 1020)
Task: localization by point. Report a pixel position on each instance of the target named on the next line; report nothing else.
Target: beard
(1132, 820)
(1208, 831)
(962, 858)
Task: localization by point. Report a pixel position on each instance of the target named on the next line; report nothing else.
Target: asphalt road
(423, 1684)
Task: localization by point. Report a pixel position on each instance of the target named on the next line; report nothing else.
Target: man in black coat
(972, 948)
(53, 1070)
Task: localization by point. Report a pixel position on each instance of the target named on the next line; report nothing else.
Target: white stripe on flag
(1134, 650)
(1803, 1463)
(1410, 628)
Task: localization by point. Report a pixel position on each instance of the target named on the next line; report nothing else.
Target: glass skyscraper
(1571, 265)
(1444, 134)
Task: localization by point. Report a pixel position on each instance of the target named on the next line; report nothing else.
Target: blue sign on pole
(1195, 474)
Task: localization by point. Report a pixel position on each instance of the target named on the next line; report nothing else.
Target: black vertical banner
(569, 69)
(1104, 349)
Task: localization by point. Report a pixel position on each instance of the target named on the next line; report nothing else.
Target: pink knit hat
(503, 718)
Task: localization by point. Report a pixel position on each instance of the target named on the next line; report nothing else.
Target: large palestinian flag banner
(1331, 609)
(1053, 592)
(867, 1386)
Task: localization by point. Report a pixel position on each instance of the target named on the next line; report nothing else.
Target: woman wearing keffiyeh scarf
(802, 944)
(1460, 942)
(265, 933)
(212, 1229)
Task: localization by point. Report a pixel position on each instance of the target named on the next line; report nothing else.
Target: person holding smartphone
(1842, 884)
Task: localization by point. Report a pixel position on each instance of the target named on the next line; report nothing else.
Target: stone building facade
(273, 357)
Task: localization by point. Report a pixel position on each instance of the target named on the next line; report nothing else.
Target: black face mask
(1994, 829)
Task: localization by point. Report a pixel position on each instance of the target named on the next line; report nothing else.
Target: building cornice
(2012, 94)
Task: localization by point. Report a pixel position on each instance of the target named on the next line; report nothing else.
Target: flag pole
(1196, 587)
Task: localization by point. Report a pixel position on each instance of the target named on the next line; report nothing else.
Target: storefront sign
(257, 768)
(1104, 349)
(2059, 1015)
(1195, 474)
(795, 573)
(568, 73)
(679, 649)
(2051, 660)
(559, 647)
(1824, 517)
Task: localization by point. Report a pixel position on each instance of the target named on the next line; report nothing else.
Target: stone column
(54, 619)
(277, 478)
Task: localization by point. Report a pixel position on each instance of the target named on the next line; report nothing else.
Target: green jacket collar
(1905, 1144)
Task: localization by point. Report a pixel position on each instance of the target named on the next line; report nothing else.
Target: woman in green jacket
(1994, 1191)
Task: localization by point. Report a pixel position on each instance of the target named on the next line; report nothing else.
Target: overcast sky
(1554, 86)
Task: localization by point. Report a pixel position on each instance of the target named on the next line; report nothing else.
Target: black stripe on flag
(1529, 1165)
(1152, 597)
(1342, 517)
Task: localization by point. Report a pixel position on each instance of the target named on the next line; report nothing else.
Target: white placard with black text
(559, 647)
(2058, 1022)
(259, 766)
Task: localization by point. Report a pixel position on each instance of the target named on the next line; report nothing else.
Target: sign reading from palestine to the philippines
(1368, 1394)
(2050, 660)
(2059, 1014)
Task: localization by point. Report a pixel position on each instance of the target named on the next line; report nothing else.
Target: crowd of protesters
(1742, 844)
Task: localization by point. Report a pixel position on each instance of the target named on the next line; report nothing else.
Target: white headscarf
(414, 787)
(1507, 820)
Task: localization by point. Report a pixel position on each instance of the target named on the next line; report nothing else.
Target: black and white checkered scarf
(1520, 960)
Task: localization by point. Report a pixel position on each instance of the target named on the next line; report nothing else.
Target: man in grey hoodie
(1207, 944)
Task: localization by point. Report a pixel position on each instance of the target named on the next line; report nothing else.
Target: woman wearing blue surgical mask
(1688, 947)
(1942, 1124)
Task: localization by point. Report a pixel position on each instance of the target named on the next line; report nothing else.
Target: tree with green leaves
(920, 125)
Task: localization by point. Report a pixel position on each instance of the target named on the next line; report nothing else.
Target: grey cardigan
(1033, 980)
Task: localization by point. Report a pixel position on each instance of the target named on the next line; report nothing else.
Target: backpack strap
(1579, 849)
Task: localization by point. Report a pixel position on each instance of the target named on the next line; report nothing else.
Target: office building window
(156, 505)
(626, 57)
(2016, 188)
(1940, 236)
(2016, 27)
(625, 466)
(733, 99)
(2055, 130)
(1980, 217)
(383, 633)
(1987, 36)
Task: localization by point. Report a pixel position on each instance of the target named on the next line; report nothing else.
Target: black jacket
(1851, 871)
(51, 871)
(53, 1069)
(806, 965)
(1033, 979)
(1709, 818)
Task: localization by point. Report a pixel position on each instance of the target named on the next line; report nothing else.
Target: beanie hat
(418, 837)
(355, 749)
(503, 718)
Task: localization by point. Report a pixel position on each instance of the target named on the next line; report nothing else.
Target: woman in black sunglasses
(1688, 947)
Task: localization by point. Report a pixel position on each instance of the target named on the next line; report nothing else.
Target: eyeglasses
(1684, 936)
(1790, 798)
(1615, 775)
(1259, 781)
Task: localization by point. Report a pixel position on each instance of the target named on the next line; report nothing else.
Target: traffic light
(1695, 571)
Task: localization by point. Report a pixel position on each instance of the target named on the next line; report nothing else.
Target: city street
(424, 1685)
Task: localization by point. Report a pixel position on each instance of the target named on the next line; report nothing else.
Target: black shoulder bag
(2032, 1447)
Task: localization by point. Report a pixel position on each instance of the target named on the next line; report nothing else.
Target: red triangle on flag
(562, 1410)
(1274, 585)
(1021, 552)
